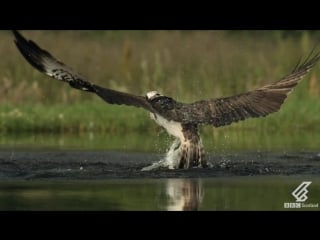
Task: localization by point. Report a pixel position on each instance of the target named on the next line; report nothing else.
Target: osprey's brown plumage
(179, 119)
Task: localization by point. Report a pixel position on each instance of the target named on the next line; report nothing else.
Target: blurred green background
(187, 65)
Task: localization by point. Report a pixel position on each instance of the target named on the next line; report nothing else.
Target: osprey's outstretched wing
(49, 65)
(218, 112)
(257, 103)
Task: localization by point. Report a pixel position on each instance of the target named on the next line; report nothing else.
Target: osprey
(180, 120)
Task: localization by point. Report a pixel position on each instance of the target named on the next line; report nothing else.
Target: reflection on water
(236, 193)
(184, 194)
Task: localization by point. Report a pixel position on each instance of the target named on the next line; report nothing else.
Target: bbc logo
(292, 205)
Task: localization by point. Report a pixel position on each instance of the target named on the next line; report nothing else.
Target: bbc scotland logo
(300, 194)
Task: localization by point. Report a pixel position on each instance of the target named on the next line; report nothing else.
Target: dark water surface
(104, 180)
(93, 165)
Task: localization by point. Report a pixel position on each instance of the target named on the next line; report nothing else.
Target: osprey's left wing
(256, 103)
(49, 65)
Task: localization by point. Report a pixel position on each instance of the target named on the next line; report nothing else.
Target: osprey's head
(152, 95)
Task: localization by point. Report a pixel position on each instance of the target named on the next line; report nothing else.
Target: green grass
(96, 125)
(94, 116)
(97, 116)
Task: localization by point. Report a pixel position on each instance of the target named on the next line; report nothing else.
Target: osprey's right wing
(257, 103)
(49, 65)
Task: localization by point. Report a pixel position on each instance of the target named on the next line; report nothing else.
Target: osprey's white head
(152, 95)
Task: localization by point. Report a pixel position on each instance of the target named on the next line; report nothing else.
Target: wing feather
(257, 103)
(49, 65)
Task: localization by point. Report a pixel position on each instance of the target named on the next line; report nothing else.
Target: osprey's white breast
(172, 127)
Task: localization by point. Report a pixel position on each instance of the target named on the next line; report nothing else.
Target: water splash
(171, 160)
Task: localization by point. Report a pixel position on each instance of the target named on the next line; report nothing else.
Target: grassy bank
(96, 116)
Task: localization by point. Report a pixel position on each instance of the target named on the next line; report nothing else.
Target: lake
(94, 172)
